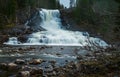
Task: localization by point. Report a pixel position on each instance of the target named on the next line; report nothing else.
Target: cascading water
(54, 34)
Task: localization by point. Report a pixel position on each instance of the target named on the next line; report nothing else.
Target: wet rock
(52, 74)
(3, 66)
(88, 55)
(31, 48)
(20, 61)
(26, 68)
(49, 67)
(13, 67)
(79, 57)
(23, 74)
(20, 49)
(36, 72)
(0, 51)
(52, 61)
(58, 54)
(61, 48)
(3, 38)
(36, 61)
(22, 38)
(66, 61)
(42, 48)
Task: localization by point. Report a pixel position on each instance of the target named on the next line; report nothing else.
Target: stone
(79, 57)
(20, 49)
(61, 48)
(37, 71)
(20, 61)
(0, 51)
(3, 66)
(23, 74)
(54, 73)
(13, 67)
(36, 61)
(22, 38)
(42, 48)
(26, 68)
(52, 61)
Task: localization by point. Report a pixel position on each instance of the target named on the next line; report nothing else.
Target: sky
(66, 3)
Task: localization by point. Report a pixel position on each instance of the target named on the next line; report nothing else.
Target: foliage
(101, 15)
(9, 8)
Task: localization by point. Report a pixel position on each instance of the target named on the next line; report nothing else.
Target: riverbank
(103, 63)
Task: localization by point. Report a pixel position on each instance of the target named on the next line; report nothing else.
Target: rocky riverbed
(19, 61)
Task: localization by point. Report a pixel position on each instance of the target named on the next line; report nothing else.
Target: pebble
(36, 61)
(52, 61)
(20, 61)
(36, 71)
(79, 57)
(0, 51)
(13, 67)
(23, 74)
(3, 66)
(26, 68)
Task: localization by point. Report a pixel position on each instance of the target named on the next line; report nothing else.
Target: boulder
(19, 61)
(26, 68)
(23, 74)
(36, 61)
(36, 72)
(13, 67)
(3, 66)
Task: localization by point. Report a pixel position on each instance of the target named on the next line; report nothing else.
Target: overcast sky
(66, 3)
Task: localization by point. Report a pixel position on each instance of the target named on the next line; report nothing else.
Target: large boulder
(34, 21)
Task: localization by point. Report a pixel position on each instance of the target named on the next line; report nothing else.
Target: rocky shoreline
(98, 64)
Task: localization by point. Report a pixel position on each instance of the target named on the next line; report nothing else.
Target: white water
(55, 35)
(13, 41)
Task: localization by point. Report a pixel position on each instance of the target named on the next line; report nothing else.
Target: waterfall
(55, 35)
(50, 19)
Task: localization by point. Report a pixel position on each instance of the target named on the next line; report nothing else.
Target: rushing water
(53, 43)
(54, 33)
